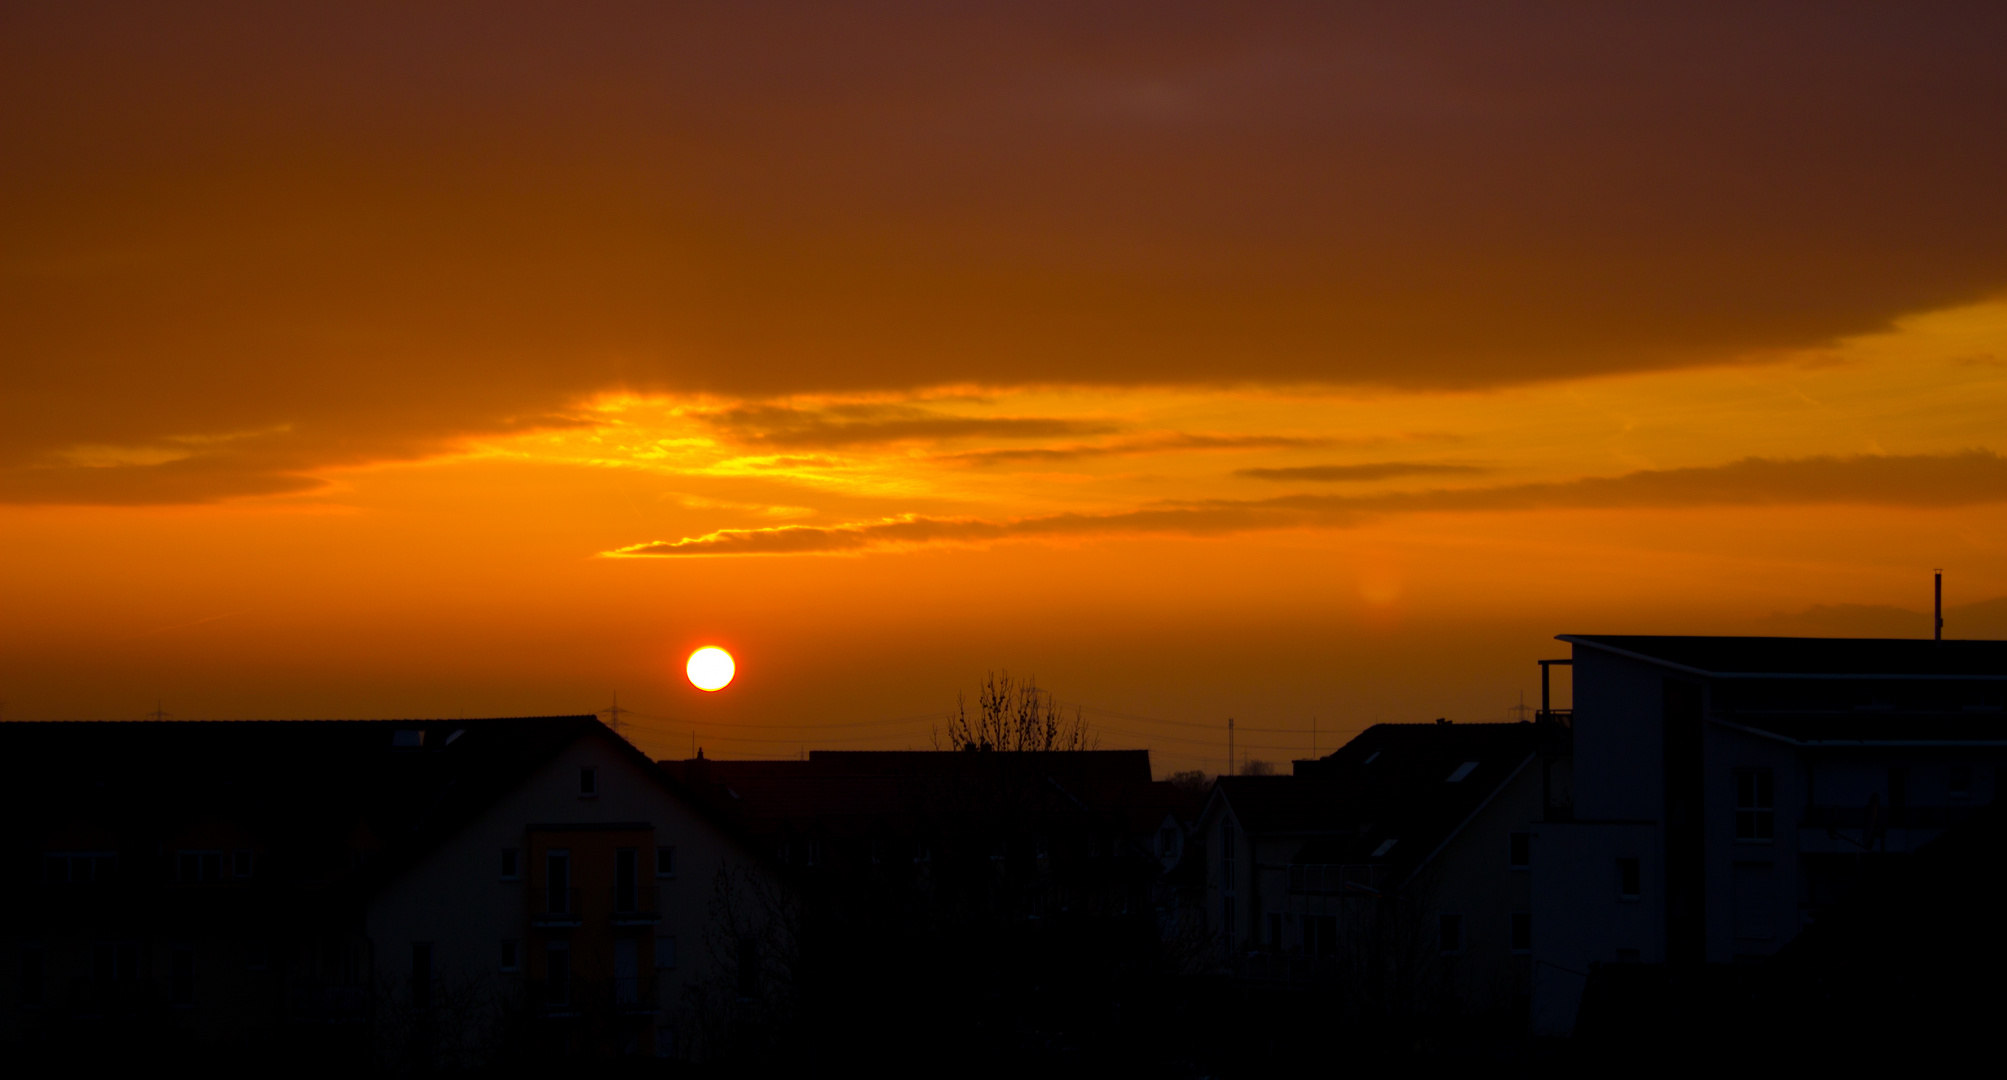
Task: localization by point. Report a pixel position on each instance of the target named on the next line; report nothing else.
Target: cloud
(1377, 470)
(1976, 476)
(397, 227)
(1157, 445)
(871, 424)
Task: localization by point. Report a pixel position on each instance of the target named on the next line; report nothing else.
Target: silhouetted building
(402, 891)
(1396, 866)
(1726, 791)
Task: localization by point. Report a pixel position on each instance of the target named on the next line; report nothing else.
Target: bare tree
(1015, 717)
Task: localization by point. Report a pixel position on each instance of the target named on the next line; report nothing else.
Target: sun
(710, 668)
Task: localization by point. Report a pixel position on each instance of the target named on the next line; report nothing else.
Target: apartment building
(1728, 790)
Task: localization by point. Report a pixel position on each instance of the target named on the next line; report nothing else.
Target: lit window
(1462, 771)
(1755, 805)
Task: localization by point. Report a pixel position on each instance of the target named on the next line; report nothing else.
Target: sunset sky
(1290, 363)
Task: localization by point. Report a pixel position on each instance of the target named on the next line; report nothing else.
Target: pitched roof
(304, 784)
(1825, 658)
(1412, 784)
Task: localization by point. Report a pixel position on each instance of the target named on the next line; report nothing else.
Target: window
(1449, 934)
(33, 976)
(1371, 758)
(199, 867)
(115, 962)
(1961, 783)
(665, 862)
(1167, 842)
(407, 738)
(557, 881)
(181, 977)
(588, 783)
(1385, 846)
(511, 869)
(1462, 771)
(1522, 932)
(665, 952)
(1519, 850)
(1627, 879)
(1755, 805)
(511, 959)
(79, 867)
(625, 888)
(557, 973)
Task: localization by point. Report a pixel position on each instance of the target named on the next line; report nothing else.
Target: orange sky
(1310, 362)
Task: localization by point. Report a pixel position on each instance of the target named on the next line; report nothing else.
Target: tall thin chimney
(1937, 617)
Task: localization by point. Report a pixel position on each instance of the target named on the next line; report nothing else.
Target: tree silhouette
(1015, 717)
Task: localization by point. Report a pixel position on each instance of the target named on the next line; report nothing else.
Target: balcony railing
(1889, 817)
(634, 905)
(626, 995)
(556, 907)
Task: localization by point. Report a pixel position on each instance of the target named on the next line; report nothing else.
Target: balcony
(634, 905)
(568, 997)
(557, 907)
(1891, 817)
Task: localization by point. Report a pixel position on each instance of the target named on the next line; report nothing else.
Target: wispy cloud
(1160, 444)
(876, 424)
(1376, 470)
(1975, 476)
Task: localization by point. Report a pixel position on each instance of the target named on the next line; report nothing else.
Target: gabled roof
(1808, 658)
(302, 783)
(1412, 784)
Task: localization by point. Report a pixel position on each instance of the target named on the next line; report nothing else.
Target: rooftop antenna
(1937, 620)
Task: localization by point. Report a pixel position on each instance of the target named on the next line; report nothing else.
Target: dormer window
(1462, 771)
(407, 739)
(588, 783)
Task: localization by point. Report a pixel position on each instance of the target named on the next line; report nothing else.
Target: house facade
(422, 892)
(1726, 790)
(1398, 865)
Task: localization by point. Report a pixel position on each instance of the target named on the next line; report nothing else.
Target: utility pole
(1229, 747)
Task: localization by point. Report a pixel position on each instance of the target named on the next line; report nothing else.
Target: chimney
(1937, 617)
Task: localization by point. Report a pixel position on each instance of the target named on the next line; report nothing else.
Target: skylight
(1462, 771)
(1372, 757)
(1385, 846)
